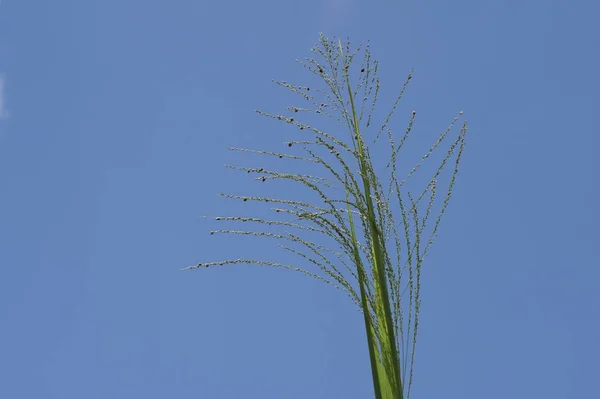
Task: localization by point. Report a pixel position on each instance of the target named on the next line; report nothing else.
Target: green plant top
(363, 235)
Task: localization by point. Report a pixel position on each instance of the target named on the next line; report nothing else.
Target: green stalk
(389, 353)
(371, 341)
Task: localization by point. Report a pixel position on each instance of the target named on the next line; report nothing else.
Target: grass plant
(360, 233)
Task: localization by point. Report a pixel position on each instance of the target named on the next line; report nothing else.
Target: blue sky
(115, 118)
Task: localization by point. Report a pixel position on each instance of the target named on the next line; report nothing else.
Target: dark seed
(362, 70)
(289, 144)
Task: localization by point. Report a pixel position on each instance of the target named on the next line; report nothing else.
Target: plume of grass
(370, 241)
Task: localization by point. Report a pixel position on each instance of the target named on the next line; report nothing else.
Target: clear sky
(115, 118)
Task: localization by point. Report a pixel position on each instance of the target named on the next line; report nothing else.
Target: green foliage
(377, 229)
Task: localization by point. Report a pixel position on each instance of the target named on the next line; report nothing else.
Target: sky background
(115, 118)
